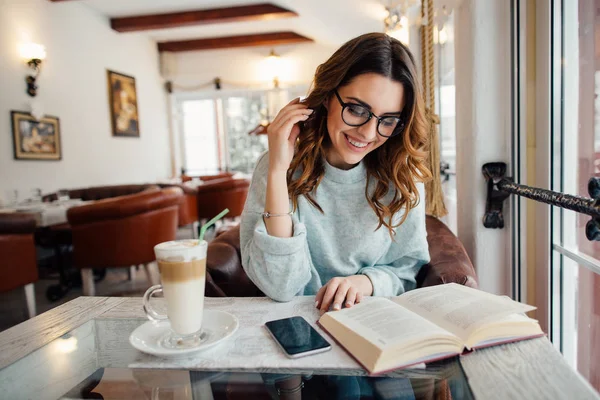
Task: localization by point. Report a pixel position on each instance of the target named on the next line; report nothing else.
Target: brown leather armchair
(122, 231)
(188, 210)
(214, 196)
(17, 254)
(449, 263)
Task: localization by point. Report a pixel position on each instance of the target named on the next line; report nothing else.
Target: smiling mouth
(356, 143)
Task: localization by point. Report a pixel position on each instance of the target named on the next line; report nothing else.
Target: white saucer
(147, 337)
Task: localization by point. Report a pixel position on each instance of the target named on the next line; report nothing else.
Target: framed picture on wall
(122, 97)
(35, 139)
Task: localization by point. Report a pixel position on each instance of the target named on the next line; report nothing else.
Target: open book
(427, 324)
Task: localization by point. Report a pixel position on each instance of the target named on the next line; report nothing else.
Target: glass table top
(81, 350)
(442, 380)
(96, 361)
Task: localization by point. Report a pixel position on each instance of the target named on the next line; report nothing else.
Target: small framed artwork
(35, 139)
(122, 97)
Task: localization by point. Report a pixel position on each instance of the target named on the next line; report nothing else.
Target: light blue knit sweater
(341, 242)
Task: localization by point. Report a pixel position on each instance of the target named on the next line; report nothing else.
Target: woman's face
(350, 144)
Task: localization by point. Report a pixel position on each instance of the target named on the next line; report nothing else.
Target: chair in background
(188, 210)
(214, 196)
(122, 231)
(17, 252)
(221, 175)
(204, 178)
(102, 192)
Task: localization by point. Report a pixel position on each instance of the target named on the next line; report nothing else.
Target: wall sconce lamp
(33, 54)
(273, 65)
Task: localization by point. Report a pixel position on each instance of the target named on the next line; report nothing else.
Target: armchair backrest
(123, 231)
(214, 196)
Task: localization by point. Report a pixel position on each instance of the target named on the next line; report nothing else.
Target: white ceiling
(330, 22)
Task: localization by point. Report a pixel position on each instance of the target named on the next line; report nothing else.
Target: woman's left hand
(347, 291)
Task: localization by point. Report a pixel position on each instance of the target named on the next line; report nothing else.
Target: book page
(459, 309)
(382, 322)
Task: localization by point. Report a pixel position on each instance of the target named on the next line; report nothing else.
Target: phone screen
(296, 336)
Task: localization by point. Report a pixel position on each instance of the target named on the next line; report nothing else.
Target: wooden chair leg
(87, 279)
(149, 275)
(30, 298)
(131, 272)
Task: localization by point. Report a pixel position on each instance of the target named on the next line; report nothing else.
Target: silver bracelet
(269, 215)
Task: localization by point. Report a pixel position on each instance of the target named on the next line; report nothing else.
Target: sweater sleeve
(280, 267)
(396, 272)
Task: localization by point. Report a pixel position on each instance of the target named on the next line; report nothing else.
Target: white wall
(73, 86)
(482, 59)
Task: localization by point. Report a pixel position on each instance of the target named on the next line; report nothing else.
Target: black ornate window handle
(499, 187)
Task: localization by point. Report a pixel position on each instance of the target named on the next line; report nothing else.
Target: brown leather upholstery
(122, 231)
(449, 259)
(449, 263)
(18, 264)
(225, 275)
(221, 175)
(188, 210)
(214, 196)
(103, 192)
(15, 223)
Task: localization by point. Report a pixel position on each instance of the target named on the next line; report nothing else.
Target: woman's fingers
(284, 115)
(359, 297)
(290, 124)
(351, 297)
(332, 287)
(290, 109)
(340, 295)
(319, 296)
(281, 126)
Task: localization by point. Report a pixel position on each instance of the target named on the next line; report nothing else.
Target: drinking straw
(210, 223)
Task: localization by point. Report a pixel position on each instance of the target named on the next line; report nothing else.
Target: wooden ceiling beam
(254, 12)
(261, 39)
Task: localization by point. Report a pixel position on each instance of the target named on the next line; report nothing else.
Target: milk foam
(180, 250)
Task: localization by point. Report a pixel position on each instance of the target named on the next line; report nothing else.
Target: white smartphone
(296, 337)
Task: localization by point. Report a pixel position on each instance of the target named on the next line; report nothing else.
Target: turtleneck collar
(356, 174)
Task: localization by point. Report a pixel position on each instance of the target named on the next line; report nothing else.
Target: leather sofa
(18, 262)
(122, 231)
(187, 208)
(102, 192)
(449, 263)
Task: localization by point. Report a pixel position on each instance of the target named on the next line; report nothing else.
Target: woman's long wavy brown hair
(396, 165)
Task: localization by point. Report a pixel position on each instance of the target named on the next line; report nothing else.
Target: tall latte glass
(182, 265)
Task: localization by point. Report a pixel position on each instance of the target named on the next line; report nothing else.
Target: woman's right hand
(283, 132)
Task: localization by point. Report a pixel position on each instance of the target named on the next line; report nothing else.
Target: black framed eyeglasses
(354, 114)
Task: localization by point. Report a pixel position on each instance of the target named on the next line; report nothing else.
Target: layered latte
(182, 265)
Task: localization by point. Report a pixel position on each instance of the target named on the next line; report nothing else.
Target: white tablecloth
(48, 214)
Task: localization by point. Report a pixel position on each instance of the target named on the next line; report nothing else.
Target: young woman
(336, 206)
